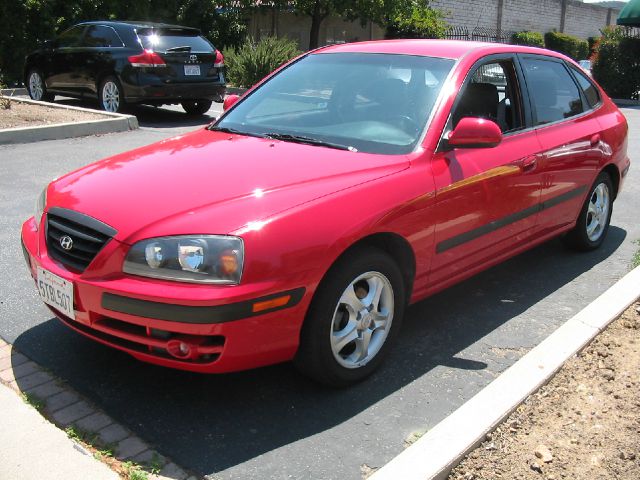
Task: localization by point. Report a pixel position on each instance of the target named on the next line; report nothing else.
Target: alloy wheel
(110, 96)
(598, 212)
(36, 88)
(362, 320)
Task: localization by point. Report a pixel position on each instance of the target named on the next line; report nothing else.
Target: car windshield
(375, 103)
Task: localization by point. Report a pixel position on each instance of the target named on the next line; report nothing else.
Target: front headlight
(41, 201)
(188, 258)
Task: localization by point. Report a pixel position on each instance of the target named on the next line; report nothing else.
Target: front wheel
(37, 88)
(593, 221)
(196, 107)
(353, 319)
(110, 95)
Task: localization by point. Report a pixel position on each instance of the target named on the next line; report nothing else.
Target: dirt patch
(584, 424)
(29, 115)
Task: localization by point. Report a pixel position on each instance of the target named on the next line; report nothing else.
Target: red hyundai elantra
(353, 181)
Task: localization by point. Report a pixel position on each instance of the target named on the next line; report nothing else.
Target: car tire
(353, 319)
(110, 95)
(196, 107)
(37, 87)
(593, 222)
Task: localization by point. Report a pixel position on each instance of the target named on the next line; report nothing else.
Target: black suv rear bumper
(175, 93)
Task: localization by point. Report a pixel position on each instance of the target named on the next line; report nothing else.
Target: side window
(71, 37)
(492, 93)
(99, 36)
(553, 92)
(589, 89)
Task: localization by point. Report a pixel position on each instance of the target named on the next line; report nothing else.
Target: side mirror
(229, 102)
(473, 132)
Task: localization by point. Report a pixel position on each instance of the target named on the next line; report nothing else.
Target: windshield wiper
(186, 48)
(285, 137)
(215, 128)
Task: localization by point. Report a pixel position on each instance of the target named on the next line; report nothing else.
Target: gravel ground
(584, 424)
(27, 115)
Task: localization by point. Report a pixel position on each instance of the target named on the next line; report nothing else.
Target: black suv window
(100, 36)
(71, 37)
(589, 89)
(492, 93)
(554, 94)
(161, 40)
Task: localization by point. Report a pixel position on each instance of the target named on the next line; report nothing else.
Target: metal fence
(479, 34)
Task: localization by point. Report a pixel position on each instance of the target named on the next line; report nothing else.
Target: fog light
(179, 349)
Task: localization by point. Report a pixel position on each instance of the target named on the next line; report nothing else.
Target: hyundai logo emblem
(66, 242)
(193, 58)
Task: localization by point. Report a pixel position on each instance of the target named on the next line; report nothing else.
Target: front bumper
(147, 318)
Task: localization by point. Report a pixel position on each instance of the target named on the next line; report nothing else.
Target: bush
(419, 22)
(616, 66)
(252, 61)
(568, 44)
(532, 39)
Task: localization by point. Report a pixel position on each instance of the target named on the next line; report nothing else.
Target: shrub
(252, 61)
(568, 44)
(419, 22)
(532, 39)
(616, 66)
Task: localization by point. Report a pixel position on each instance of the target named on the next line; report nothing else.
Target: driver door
(487, 198)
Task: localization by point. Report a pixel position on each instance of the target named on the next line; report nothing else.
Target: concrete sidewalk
(34, 449)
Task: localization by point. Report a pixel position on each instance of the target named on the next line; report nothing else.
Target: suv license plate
(56, 291)
(192, 69)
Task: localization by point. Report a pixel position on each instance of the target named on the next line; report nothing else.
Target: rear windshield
(161, 40)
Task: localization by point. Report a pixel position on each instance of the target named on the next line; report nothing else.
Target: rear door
(189, 56)
(100, 44)
(487, 198)
(569, 133)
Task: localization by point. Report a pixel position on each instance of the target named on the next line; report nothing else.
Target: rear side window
(99, 36)
(589, 89)
(554, 94)
(71, 37)
(163, 40)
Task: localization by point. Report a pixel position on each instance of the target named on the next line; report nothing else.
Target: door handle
(529, 163)
(595, 140)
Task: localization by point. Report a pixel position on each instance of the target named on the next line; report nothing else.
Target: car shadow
(153, 117)
(211, 423)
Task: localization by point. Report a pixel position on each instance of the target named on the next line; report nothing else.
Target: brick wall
(580, 19)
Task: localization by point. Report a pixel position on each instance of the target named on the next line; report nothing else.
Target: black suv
(128, 62)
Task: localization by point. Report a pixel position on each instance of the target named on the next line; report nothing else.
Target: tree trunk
(316, 20)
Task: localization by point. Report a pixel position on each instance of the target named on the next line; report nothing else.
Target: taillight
(148, 58)
(219, 63)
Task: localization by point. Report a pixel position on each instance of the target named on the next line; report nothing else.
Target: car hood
(210, 182)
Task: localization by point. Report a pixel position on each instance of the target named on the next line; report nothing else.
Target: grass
(635, 261)
(33, 400)
(134, 471)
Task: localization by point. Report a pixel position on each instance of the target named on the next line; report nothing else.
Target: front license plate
(56, 291)
(192, 69)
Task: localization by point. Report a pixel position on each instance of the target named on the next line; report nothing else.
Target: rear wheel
(196, 107)
(37, 88)
(353, 319)
(110, 95)
(593, 222)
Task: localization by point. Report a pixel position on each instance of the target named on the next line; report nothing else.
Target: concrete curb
(114, 122)
(10, 92)
(444, 446)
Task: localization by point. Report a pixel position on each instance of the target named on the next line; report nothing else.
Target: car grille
(87, 235)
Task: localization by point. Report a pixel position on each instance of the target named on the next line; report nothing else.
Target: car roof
(453, 49)
(134, 23)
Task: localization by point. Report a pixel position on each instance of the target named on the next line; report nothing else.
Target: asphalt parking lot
(273, 423)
